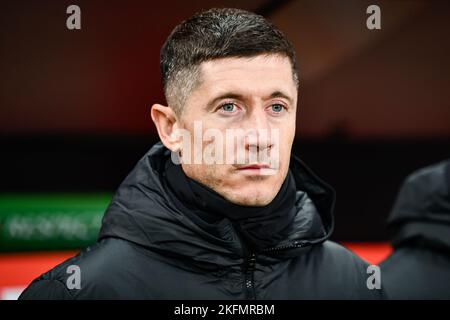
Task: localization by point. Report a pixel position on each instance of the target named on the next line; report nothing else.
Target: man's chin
(250, 199)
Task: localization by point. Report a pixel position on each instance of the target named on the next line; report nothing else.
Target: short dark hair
(213, 34)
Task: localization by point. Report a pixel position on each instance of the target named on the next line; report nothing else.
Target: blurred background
(374, 105)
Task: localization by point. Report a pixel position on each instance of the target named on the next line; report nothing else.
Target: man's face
(255, 95)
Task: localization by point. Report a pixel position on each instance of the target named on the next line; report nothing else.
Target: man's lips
(258, 169)
(254, 167)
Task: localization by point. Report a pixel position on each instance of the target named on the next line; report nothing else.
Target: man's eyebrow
(226, 95)
(280, 94)
(237, 96)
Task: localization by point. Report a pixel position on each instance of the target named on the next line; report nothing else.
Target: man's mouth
(256, 166)
(256, 169)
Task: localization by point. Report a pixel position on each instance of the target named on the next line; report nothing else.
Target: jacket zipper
(251, 266)
(295, 244)
(249, 276)
(248, 267)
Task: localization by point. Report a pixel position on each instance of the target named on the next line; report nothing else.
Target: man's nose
(258, 131)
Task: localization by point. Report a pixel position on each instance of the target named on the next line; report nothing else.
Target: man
(213, 229)
(419, 224)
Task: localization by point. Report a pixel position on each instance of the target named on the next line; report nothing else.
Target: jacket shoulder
(344, 260)
(46, 290)
(88, 275)
(348, 269)
(336, 251)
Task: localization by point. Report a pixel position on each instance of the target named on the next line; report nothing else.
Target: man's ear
(166, 123)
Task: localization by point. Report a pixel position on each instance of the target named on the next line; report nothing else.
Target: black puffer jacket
(148, 249)
(419, 224)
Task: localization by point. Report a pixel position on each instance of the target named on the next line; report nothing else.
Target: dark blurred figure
(419, 225)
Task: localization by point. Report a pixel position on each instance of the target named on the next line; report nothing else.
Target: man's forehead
(261, 73)
(262, 63)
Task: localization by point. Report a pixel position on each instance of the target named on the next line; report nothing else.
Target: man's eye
(277, 107)
(228, 107)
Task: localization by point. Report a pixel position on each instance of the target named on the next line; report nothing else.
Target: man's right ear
(166, 123)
